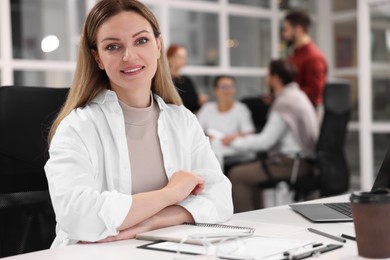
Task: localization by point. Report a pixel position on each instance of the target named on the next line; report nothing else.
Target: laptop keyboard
(342, 207)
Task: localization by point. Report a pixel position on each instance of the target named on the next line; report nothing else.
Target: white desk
(278, 216)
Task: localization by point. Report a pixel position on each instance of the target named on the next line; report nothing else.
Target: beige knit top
(147, 167)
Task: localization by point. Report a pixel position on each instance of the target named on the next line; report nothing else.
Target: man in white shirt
(291, 130)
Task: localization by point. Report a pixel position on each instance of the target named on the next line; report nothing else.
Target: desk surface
(263, 220)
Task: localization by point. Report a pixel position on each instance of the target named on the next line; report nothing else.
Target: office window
(352, 150)
(307, 5)
(380, 44)
(345, 44)
(1, 36)
(381, 144)
(381, 99)
(259, 3)
(203, 84)
(203, 0)
(250, 86)
(380, 33)
(199, 32)
(46, 29)
(56, 79)
(156, 11)
(354, 95)
(344, 5)
(248, 45)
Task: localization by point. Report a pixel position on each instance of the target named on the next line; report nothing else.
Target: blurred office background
(39, 41)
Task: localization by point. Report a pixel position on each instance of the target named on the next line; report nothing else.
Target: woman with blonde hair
(125, 155)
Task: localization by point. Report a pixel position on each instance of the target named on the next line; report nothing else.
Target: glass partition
(203, 85)
(381, 144)
(46, 29)
(199, 32)
(354, 95)
(380, 33)
(248, 33)
(345, 44)
(380, 56)
(306, 5)
(250, 86)
(55, 79)
(344, 5)
(203, 0)
(352, 149)
(156, 11)
(258, 3)
(381, 98)
(1, 35)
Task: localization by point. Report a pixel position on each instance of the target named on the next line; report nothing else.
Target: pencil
(326, 235)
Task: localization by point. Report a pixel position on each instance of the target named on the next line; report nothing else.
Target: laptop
(342, 211)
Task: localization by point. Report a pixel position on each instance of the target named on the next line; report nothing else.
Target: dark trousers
(246, 180)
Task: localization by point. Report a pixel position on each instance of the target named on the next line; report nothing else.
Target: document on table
(255, 247)
(268, 229)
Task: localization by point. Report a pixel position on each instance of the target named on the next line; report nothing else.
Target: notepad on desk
(194, 233)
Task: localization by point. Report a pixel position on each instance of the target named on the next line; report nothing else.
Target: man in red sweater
(306, 56)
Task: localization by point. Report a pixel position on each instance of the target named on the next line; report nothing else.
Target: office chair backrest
(27, 220)
(26, 114)
(334, 172)
(259, 111)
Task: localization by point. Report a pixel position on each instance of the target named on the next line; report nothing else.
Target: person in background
(177, 58)
(307, 57)
(225, 119)
(291, 129)
(125, 156)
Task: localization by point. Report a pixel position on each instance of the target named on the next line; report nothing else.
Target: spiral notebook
(194, 233)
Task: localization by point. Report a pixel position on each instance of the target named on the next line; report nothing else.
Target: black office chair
(259, 111)
(27, 220)
(333, 172)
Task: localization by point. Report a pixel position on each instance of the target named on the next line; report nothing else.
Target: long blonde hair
(89, 80)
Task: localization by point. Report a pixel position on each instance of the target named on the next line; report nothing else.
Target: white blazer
(89, 173)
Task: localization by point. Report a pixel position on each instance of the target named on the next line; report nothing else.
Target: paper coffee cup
(371, 217)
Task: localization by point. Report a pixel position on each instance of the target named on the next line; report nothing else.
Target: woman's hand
(169, 216)
(182, 184)
(130, 233)
(230, 138)
(123, 235)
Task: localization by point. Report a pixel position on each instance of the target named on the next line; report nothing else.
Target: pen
(326, 235)
(316, 252)
(348, 237)
(310, 246)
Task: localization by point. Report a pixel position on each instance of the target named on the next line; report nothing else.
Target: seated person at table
(177, 59)
(125, 156)
(226, 119)
(291, 129)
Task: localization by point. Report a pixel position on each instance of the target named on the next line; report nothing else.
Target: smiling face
(225, 90)
(128, 51)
